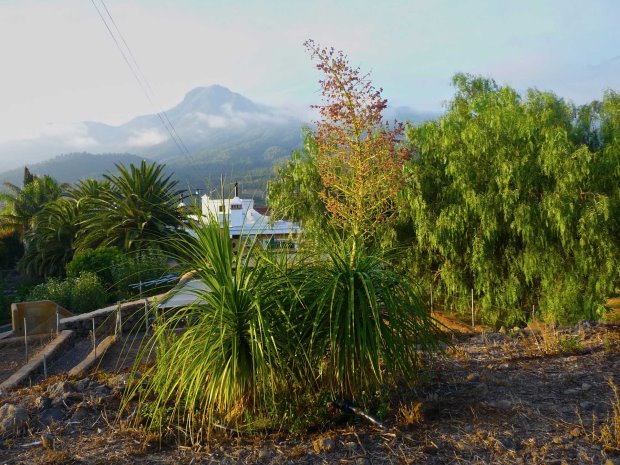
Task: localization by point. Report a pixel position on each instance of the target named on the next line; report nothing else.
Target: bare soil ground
(492, 398)
(13, 356)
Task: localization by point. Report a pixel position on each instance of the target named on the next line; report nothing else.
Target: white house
(245, 221)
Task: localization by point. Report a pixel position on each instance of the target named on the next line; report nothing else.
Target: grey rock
(82, 384)
(52, 415)
(472, 377)
(59, 393)
(82, 411)
(585, 387)
(351, 446)
(265, 454)
(508, 443)
(571, 392)
(102, 390)
(503, 404)
(586, 405)
(60, 389)
(480, 389)
(13, 420)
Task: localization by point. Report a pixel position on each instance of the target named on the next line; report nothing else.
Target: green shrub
(140, 268)
(88, 293)
(53, 289)
(79, 295)
(100, 261)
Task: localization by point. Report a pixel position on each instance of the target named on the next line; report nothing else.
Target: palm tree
(231, 357)
(22, 204)
(134, 211)
(49, 243)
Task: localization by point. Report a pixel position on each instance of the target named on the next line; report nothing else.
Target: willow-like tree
(294, 193)
(517, 198)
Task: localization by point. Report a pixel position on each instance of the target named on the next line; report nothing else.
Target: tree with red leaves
(359, 158)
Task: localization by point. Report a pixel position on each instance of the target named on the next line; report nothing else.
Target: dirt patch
(491, 398)
(120, 356)
(13, 356)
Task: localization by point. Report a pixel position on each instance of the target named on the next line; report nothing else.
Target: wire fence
(475, 309)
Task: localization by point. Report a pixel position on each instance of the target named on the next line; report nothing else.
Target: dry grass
(544, 339)
(56, 457)
(613, 316)
(410, 414)
(607, 433)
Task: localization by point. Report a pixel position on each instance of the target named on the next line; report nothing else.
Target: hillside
(73, 166)
(222, 133)
(490, 398)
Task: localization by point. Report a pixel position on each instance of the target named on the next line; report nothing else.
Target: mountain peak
(206, 92)
(211, 99)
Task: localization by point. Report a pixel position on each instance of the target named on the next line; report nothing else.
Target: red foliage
(359, 157)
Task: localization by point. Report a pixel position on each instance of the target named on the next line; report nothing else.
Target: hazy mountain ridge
(223, 131)
(72, 167)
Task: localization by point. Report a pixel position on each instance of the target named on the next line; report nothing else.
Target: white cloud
(73, 134)
(231, 118)
(146, 138)
(213, 121)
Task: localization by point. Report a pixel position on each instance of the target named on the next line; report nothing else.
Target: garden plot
(491, 398)
(122, 354)
(13, 353)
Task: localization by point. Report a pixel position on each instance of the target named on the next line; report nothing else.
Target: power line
(132, 63)
(144, 79)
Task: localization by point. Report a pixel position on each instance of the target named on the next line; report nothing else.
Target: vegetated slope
(72, 167)
(491, 398)
(213, 125)
(221, 133)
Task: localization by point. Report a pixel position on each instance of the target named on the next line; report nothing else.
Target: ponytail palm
(229, 358)
(268, 328)
(367, 323)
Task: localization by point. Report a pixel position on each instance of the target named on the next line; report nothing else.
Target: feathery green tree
(509, 196)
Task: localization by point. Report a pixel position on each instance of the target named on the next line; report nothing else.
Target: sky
(60, 66)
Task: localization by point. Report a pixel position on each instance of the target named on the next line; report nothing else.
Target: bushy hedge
(79, 295)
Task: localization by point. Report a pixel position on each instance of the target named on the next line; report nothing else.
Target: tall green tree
(49, 243)
(294, 193)
(134, 211)
(512, 196)
(22, 204)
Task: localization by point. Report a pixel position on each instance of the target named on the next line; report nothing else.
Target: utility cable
(142, 82)
(153, 100)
